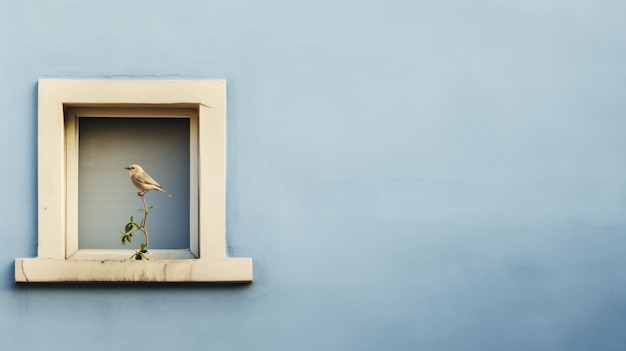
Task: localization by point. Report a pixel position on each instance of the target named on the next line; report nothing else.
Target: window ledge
(51, 270)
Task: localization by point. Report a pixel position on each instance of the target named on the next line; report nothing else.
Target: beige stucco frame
(51, 264)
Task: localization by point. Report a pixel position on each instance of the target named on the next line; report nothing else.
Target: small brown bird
(142, 181)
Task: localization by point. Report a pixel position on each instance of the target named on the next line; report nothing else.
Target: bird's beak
(128, 168)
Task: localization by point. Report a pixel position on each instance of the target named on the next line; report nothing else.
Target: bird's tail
(164, 192)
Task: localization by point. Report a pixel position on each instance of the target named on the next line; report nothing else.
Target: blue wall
(425, 175)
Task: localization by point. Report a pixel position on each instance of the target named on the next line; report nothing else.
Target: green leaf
(151, 207)
(128, 227)
(140, 256)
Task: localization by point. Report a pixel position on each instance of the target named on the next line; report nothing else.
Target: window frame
(72, 117)
(57, 202)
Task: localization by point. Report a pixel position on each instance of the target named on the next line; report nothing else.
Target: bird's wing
(146, 179)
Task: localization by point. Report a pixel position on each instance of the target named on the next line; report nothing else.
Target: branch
(145, 217)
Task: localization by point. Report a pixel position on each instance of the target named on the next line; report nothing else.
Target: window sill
(231, 270)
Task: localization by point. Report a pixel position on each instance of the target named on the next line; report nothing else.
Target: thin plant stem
(145, 217)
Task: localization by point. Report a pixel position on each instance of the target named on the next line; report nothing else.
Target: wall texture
(406, 175)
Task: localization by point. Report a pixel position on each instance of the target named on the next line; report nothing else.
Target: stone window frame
(55, 197)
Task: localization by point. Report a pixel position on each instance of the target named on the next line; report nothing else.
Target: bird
(142, 181)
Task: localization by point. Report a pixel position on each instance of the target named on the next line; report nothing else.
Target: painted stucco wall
(406, 175)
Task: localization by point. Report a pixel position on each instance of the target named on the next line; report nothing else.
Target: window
(164, 142)
(89, 130)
